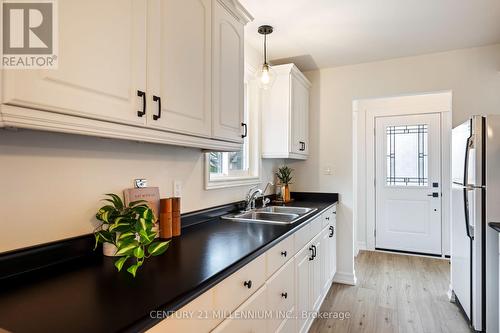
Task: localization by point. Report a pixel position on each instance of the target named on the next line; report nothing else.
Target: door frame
(364, 113)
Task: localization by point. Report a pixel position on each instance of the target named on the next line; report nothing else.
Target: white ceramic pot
(109, 249)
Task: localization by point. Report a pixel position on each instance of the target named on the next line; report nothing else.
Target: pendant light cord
(265, 49)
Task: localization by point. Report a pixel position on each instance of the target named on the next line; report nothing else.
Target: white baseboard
(345, 278)
(451, 294)
(361, 245)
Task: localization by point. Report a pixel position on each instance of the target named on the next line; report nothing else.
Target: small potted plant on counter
(127, 232)
(284, 175)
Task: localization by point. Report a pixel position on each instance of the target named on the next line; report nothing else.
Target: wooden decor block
(166, 218)
(176, 216)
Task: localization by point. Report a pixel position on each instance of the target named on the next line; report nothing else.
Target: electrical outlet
(177, 188)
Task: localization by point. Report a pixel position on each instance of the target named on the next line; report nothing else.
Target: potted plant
(284, 175)
(127, 232)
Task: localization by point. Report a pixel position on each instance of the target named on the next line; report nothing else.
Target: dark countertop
(495, 225)
(89, 295)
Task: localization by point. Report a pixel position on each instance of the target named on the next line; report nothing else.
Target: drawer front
(280, 295)
(235, 289)
(196, 316)
(327, 216)
(316, 226)
(302, 237)
(255, 305)
(279, 255)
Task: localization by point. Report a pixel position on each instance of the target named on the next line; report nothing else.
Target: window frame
(252, 117)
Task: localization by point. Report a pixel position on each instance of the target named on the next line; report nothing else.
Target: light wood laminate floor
(395, 293)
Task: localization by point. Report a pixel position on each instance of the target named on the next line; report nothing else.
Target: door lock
(433, 194)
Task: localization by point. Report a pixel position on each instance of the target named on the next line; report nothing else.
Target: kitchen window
(228, 169)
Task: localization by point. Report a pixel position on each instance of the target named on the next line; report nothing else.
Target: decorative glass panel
(407, 160)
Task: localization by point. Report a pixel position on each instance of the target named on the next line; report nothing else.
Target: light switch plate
(327, 171)
(177, 188)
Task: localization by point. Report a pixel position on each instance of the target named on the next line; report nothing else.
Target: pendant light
(266, 75)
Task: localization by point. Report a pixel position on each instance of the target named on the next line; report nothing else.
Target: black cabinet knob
(283, 253)
(284, 295)
(328, 218)
(248, 284)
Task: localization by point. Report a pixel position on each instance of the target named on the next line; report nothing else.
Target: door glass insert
(407, 155)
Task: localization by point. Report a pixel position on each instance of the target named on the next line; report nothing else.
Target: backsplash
(55, 181)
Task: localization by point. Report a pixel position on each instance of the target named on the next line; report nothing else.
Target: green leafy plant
(130, 229)
(284, 175)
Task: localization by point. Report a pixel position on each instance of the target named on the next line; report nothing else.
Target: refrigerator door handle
(468, 147)
(468, 227)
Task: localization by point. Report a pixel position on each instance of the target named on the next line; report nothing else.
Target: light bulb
(267, 76)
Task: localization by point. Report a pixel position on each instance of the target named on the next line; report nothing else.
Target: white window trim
(255, 161)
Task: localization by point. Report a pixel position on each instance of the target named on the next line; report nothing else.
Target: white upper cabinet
(179, 65)
(285, 116)
(228, 66)
(164, 71)
(102, 64)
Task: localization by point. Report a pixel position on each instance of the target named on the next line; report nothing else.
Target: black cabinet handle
(302, 146)
(327, 218)
(283, 253)
(248, 284)
(284, 295)
(314, 248)
(157, 99)
(332, 231)
(312, 253)
(245, 130)
(143, 95)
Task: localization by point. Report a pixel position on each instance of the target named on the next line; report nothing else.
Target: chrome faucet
(251, 196)
(255, 192)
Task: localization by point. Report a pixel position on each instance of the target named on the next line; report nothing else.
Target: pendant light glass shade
(267, 76)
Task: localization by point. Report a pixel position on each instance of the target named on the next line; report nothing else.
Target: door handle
(157, 99)
(143, 95)
(245, 128)
(312, 253)
(433, 194)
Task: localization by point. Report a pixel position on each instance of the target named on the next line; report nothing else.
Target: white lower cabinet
(248, 318)
(276, 292)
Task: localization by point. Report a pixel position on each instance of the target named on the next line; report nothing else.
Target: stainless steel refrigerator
(475, 202)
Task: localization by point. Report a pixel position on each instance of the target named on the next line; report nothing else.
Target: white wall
(52, 183)
(471, 74)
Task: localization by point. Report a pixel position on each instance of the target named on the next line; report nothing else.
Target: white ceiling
(326, 33)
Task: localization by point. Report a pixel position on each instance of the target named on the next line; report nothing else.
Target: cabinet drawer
(280, 295)
(254, 306)
(194, 317)
(235, 289)
(278, 255)
(316, 226)
(302, 237)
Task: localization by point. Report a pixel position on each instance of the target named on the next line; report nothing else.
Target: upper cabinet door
(296, 114)
(228, 66)
(179, 65)
(102, 64)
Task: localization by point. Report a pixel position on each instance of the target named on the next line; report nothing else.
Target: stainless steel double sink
(272, 214)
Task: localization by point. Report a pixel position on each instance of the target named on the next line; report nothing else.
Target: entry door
(408, 183)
